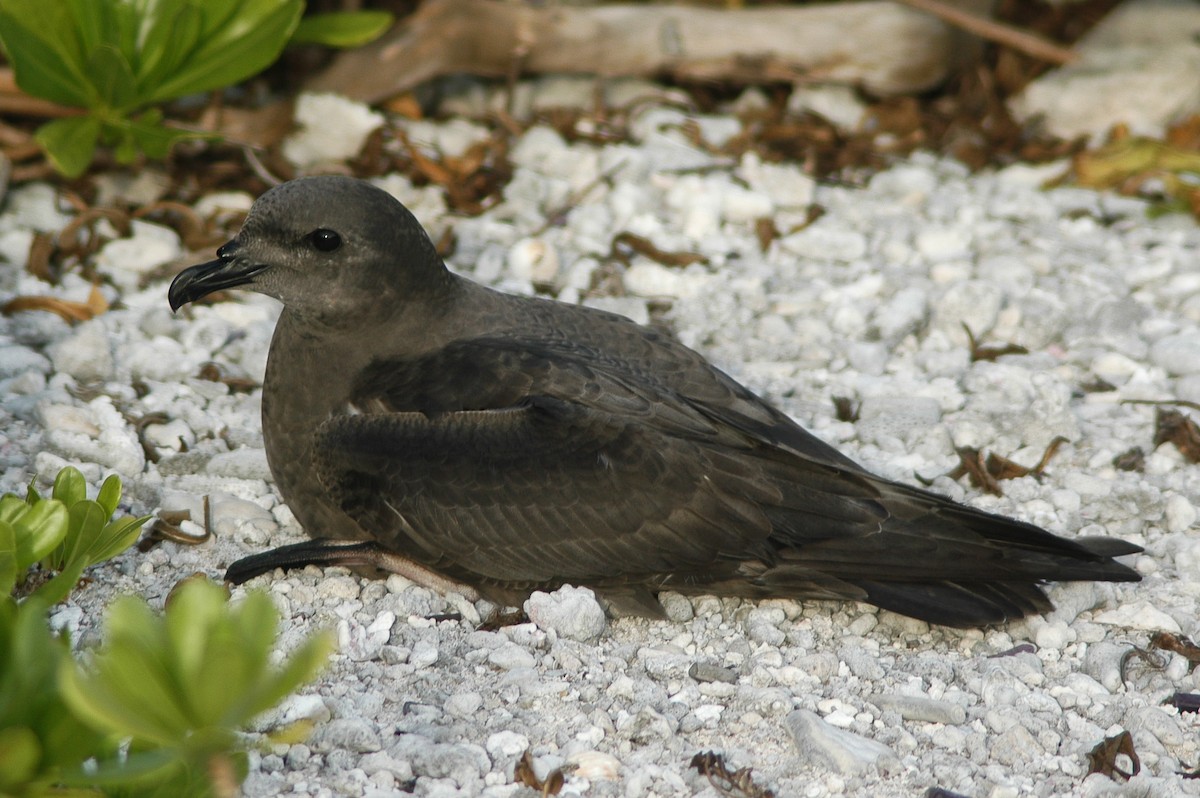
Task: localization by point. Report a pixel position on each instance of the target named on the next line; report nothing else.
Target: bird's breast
(305, 384)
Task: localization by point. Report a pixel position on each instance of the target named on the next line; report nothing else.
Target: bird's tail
(946, 563)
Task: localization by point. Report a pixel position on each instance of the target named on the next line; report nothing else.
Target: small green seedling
(29, 531)
(65, 533)
(119, 59)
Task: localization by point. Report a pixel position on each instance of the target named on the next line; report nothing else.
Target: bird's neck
(312, 367)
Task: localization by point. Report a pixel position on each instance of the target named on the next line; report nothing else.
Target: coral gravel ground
(867, 302)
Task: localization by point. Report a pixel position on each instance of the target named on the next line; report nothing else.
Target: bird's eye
(325, 240)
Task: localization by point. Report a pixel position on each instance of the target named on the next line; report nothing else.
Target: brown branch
(1029, 43)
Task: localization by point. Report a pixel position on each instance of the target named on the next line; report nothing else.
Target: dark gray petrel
(417, 421)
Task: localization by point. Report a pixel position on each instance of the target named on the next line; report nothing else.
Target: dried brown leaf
(472, 181)
(1185, 134)
(845, 409)
(260, 127)
(523, 774)
(766, 232)
(1171, 426)
(406, 105)
(1097, 385)
(1177, 643)
(971, 464)
(213, 372)
(71, 239)
(979, 352)
(986, 474)
(811, 214)
(167, 527)
(140, 426)
(446, 243)
(500, 619)
(41, 250)
(1130, 460)
(1125, 163)
(1021, 648)
(623, 244)
(72, 312)
(1002, 468)
(1103, 758)
(730, 783)
(197, 234)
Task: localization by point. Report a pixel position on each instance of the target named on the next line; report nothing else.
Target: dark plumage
(513, 443)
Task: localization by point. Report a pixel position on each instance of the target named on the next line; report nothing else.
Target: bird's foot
(356, 555)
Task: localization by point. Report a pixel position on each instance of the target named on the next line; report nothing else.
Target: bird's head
(330, 248)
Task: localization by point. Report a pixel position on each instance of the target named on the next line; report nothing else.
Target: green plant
(180, 685)
(29, 531)
(41, 740)
(65, 533)
(342, 28)
(158, 709)
(118, 59)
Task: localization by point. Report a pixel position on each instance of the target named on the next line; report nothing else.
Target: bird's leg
(350, 555)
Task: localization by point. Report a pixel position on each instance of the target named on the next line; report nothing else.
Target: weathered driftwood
(882, 46)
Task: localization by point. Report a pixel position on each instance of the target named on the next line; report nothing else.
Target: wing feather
(522, 463)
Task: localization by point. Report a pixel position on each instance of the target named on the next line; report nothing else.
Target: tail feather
(939, 561)
(958, 605)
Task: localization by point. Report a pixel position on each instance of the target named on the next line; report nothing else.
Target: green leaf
(140, 773)
(114, 57)
(93, 25)
(19, 756)
(30, 657)
(8, 560)
(87, 524)
(70, 486)
(251, 40)
(110, 494)
(116, 537)
(302, 666)
(90, 537)
(168, 38)
(188, 679)
(342, 28)
(38, 530)
(70, 143)
(113, 78)
(120, 138)
(42, 43)
(127, 18)
(12, 508)
(128, 693)
(156, 139)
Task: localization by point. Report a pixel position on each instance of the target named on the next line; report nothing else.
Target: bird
(418, 422)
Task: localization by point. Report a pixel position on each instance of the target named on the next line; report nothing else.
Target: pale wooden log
(882, 46)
